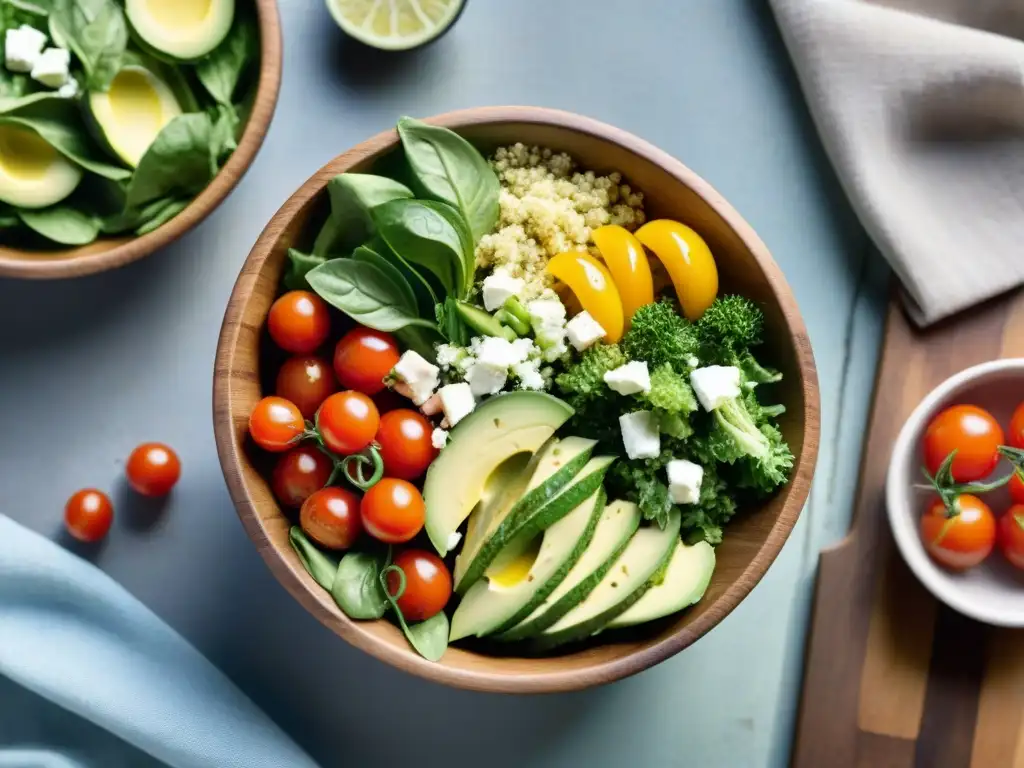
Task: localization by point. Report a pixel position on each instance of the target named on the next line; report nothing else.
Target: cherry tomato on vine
(1011, 535)
(363, 358)
(153, 469)
(428, 584)
(393, 511)
(299, 322)
(307, 381)
(1017, 487)
(276, 424)
(330, 517)
(348, 422)
(963, 540)
(405, 445)
(1016, 435)
(970, 431)
(88, 515)
(299, 474)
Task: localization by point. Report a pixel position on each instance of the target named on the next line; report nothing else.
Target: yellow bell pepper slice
(625, 258)
(687, 260)
(594, 288)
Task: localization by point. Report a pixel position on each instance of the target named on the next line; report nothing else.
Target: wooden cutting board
(894, 679)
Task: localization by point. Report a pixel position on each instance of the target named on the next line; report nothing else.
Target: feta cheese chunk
(486, 379)
(439, 439)
(22, 48)
(418, 374)
(499, 288)
(547, 316)
(640, 434)
(457, 402)
(684, 480)
(715, 385)
(449, 355)
(51, 68)
(497, 352)
(70, 89)
(529, 375)
(629, 379)
(453, 540)
(584, 331)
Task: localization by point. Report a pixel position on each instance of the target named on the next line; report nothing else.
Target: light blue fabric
(71, 634)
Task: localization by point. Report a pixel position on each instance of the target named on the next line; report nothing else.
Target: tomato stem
(949, 490)
(353, 467)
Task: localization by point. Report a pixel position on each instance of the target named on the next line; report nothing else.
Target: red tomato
(307, 382)
(961, 541)
(1016, 436)
(330, 517)
(393, 511)
(405, 445)
(299, 474)
(363, 358)
(1011, 535)
(153, 469)
(1017, 487)
(299, 322)
(348, 422)
(428, 584)
(972, 433)
(276, 424)
(88, 515)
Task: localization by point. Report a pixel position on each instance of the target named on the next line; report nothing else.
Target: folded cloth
(920, 105)
(71, 634)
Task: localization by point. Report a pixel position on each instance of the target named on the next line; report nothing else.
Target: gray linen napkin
(920, 105)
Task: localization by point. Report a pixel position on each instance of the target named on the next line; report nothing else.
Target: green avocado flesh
(180, 30)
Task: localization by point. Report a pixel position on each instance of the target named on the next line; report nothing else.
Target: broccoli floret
(704, 520)
(728, 328)
(754, 372)
(661, 336)
(671, 391)
(673, 424)
(585, 379)
(765, 475)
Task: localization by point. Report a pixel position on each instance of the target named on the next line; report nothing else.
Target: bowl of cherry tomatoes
(955, 492)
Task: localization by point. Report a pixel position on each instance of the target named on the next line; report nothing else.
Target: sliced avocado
(483, 322)
(32, 173)
(616, 526)
(182, 30)
(625, 583)
(501, 427)
(688, 575)
(526, 572)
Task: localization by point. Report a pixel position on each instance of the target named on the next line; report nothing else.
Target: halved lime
(395, 25)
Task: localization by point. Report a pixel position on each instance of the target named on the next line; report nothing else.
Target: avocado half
(180, 30)
(32, 173)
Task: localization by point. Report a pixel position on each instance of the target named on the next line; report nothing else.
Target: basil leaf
(353, 196)
(357, 589)
(450, 323)
(447, 168)
(318, 564)
(370, 256)
(299, 265)
(221, 69)
(178, 161)
(424, 284)
(37, 7)
(62, 224)
(96, 31)
(421, 339)
(421, 233)
(171, 209)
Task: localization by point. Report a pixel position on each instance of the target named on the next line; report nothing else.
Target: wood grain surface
(893, 678)
(754, 538)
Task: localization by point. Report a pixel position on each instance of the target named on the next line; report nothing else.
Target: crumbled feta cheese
(640, 434)
(684, 480)
(629, 379)
(449, 355)
(546, 314)
(439, 438)
(486, 379)
(529, 375)
(418, 374)
(525, 350)
(497, 352)
(22, 48)
(715, 385)
(51, 68)
(584, 331)
(70, 89)
(457, 401)
(499, 287)
(453, 540)
(692, 361)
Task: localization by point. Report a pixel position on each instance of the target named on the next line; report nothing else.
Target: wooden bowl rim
(315, 600)
(63, 263)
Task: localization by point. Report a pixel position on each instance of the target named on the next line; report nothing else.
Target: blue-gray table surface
(91, 367)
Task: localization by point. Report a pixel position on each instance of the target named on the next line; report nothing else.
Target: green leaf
(430, 637)
(225, 128)
(423, 283)
(421, 233)
(62, 224)
(353, 196)
(178, 161)
(299, 265)
(357, 589)
(370, 256)
(168, 212)
(447, 168)
(450, 323)
(36, 7)
(221, 69)
(12, 103)
(421, 339)
(97, 33)
(133, 218)
(318, 564)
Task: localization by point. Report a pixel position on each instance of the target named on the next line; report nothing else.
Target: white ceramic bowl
(992, 592)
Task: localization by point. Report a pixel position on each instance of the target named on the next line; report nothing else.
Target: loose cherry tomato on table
(1016, 434)
(331, 518)
(299, 474)
(153, 469)
(393, 511)
(307, 381)
(428, 584)
(276, 424)
(962, 540)
(1011, 535)
(299, 322)
(405, 444)
(970, 431)
(88, 515)
(363, 358)
(347, 422)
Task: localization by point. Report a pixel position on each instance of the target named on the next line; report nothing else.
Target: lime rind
(395, 40)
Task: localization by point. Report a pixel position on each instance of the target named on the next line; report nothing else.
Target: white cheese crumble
(629, 379)
(51, 68)
(584, 331)
(418, 374)
(684, 481)
(439, 438)
(715, 385)
(457, 402)
(22, 48)
(499, 287)
(640, 434)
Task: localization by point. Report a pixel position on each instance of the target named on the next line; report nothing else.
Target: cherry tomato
(348, 422)
(428, 584)
(88, 515)
(393, 511)
(972, 433)
(1011, 535)
(1017, 487)
(330, 517)
(363, 358)
(153, 469)
(405, 445)
(299, 322)
(276, 424)
(299, 474)
(307, 382)
(961, 541)
(1016, 436)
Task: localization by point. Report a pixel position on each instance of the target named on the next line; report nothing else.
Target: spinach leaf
(9, 217)
(11, 103)
(420, 339)
(318, 564)
(225, 126)
(465, 238)
(178, 161)
(430, 637)
(221, 69)
(299, 265)
(36, 7)
(423, 283)
(357, 589)
(62, 224)
(97, 33)
(132, 218)
(353, 197)
(450, 323)
(447, 168)
(370, 256)
(421, 233)
(171, 209)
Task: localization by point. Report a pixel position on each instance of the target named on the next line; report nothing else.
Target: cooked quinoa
(546, 207)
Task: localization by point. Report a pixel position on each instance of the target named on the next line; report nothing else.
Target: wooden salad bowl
(110, 252)
(753, 538)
